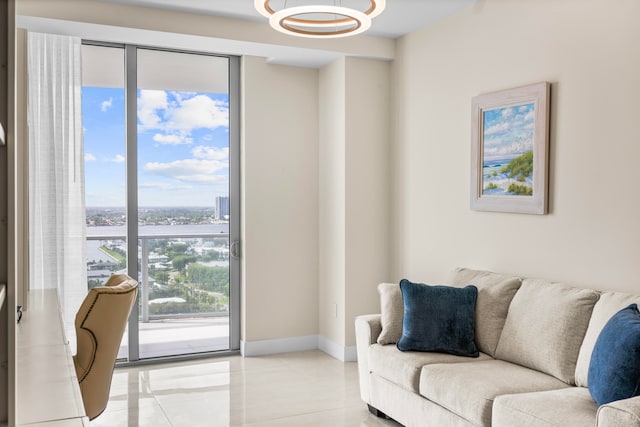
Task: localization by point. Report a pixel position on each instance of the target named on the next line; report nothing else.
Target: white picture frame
(509, 150)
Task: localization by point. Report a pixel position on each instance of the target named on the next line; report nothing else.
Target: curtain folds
(57, 245)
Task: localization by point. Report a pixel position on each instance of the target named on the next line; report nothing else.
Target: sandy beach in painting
(496, 181)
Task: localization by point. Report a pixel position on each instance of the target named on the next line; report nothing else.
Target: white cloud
(529, 116)
(149, 104)
(501, 127)
(198, 112)
(197, 171)
(118, 158)
(183, 115)
(507, 112)
(88, 157)
(106, 104)
(171, 139)
(492, 142)
(211, 153)
(164, 186)
(496, 151)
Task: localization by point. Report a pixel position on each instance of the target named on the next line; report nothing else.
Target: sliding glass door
(178, 115)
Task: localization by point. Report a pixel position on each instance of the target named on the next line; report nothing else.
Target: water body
(159, 230)
(94, 253)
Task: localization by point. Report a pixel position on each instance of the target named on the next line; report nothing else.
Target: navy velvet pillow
(614, 370)
(439, 319)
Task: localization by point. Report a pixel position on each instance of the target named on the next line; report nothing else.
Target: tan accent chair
(100, 324)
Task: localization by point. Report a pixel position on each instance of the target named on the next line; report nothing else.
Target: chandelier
(320, 20)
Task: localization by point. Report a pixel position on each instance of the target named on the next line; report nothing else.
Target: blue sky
(508, 131)
(183, 147)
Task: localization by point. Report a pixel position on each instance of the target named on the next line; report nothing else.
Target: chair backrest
(100, 324)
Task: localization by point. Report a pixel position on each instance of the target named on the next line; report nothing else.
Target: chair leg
(378, 413)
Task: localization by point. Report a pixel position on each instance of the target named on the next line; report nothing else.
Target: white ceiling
(400, 16)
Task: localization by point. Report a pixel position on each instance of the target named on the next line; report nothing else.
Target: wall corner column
(354, 195)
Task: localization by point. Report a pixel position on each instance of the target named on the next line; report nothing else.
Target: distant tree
(209, 278)
(179, 247)
(161, 276)
(92, 283)
(211, 256)
(181, 261)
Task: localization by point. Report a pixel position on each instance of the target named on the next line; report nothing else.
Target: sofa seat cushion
(569, 407)
(403, 368)
(495, 292)
(545, 327)
(469, 389)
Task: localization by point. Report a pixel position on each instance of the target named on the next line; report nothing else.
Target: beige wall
(367, 187)
(588, 50)
(354, 193)
(279, 201)
(332, 175)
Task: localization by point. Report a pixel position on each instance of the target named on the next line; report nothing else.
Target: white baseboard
(342, 353)
(280, 345)
(288, 345)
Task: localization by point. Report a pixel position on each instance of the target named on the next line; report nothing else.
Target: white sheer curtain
(57, 250)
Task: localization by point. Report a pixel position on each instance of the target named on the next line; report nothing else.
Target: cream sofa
(535, 339)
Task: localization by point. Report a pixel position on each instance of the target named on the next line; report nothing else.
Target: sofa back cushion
(391, 313)
(495, 292)
(545, 327)
(608, 305)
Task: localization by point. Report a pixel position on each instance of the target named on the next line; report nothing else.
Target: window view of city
(183, 265)
(185, 273)
(182, 194)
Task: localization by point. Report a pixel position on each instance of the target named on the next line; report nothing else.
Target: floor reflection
(295, 389)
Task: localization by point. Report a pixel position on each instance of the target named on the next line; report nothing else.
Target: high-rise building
(222, 207)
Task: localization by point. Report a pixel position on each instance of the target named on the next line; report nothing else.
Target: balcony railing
(143, 274)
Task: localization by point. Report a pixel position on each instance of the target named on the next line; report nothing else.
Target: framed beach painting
(509, 150)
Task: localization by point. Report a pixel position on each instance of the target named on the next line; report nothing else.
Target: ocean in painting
(509, 176)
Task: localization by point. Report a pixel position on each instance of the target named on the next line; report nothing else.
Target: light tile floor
(172, 336)
(294, 389)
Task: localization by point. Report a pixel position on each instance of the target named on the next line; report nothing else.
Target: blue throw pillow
(614, 370)
(439, 319)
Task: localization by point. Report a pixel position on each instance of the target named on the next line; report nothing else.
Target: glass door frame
(131, 132)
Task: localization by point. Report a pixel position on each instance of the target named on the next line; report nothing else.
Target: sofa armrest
(620, 413)
(368, 327)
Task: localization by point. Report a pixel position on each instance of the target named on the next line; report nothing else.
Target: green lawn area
(118, 256)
